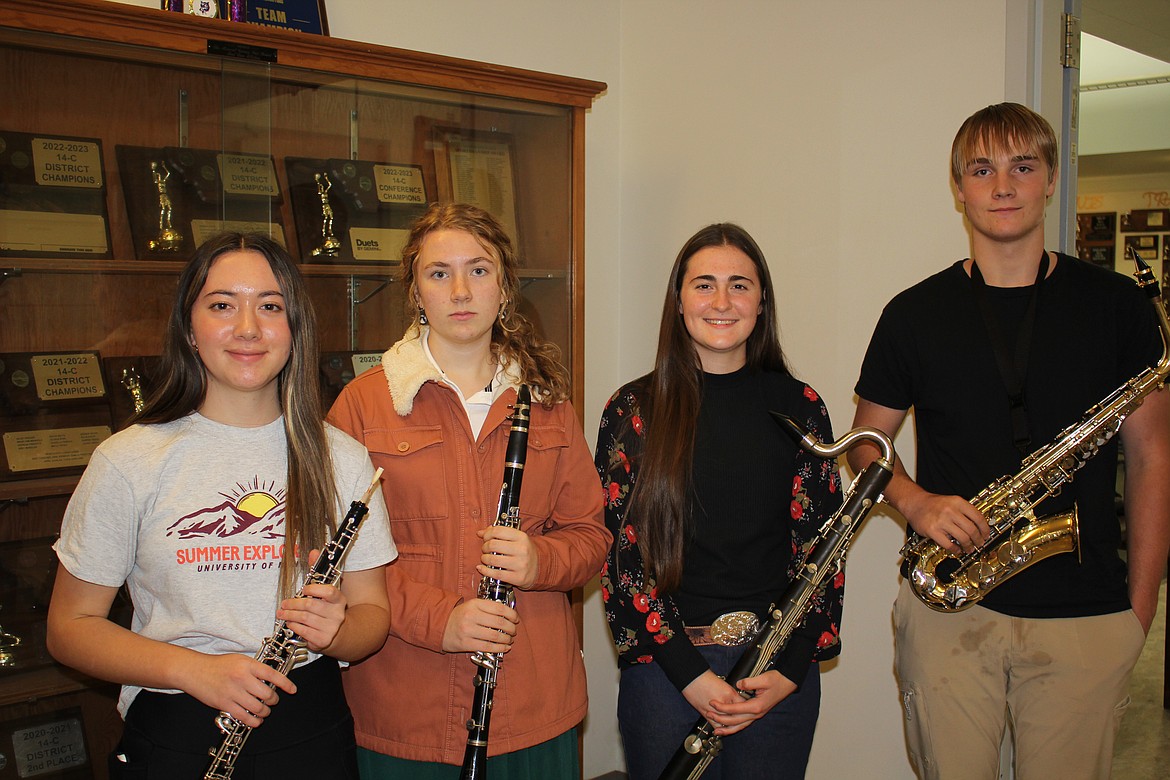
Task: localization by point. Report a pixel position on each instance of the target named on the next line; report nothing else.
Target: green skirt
(555, 759)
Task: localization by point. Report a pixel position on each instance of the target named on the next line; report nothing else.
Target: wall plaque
(338, 369)
(354, 211)
(54, 411)
(178, 197)
(52, 196)
(50, 746)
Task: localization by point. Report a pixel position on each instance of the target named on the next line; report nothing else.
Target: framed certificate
(472, 167)
(1145, 220)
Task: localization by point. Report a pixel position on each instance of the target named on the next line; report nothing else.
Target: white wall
(822, 127)
(825, 129)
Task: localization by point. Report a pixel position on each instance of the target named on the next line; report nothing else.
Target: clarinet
(284, 648)
(507, 515)
(823, 561)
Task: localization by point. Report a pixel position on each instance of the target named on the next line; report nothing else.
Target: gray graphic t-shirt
(190, 515)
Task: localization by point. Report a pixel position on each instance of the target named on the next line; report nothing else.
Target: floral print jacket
(641, 620)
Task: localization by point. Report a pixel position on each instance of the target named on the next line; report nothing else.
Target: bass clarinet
(507, 515)
(284, 648)
(823, 560)
(947, 582)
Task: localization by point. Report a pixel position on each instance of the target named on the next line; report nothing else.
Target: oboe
(284, 648)
(507, 515)
(823, 560)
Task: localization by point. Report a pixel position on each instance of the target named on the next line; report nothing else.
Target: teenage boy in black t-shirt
(997, 354)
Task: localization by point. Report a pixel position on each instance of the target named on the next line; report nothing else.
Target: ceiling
(1124, 40)
(1141, 25)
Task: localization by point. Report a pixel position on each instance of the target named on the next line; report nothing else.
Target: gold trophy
(8, 643)
(169, 239)
(330, 246)
(131, 383)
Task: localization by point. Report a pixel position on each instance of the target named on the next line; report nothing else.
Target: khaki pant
(1062, 684)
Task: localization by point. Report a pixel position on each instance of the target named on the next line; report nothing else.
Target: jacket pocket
(415, 482)
(546, 445)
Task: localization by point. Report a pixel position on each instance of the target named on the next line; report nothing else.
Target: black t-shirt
(1093, 331)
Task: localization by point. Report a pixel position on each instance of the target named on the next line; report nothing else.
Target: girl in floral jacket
(712, 507)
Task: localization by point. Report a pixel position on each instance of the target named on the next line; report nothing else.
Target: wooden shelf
(18, 687)
(22, 489)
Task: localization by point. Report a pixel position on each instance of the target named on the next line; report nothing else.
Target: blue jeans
(653, 718)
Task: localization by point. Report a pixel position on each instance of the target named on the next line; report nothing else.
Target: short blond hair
(1008, 127)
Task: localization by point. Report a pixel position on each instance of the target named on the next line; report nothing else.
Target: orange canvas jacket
(411, 700)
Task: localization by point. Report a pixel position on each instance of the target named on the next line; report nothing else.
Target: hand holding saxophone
(949, 521)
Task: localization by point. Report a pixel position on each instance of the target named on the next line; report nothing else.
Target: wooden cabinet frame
(115, 47)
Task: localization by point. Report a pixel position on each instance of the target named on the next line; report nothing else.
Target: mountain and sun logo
(250, 520)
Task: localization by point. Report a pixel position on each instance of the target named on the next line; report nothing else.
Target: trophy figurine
(8, 643)
(131, 383)
(169, 239)
(330, 246)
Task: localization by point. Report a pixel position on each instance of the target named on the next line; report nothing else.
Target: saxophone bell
(952, 583)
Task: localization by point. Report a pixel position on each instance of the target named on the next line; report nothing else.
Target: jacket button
(403, 446)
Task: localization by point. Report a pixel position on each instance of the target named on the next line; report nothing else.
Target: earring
(422, 316)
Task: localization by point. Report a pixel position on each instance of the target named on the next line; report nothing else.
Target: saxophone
(948, 582)
(284, 648)
(507, 514)
(822, 562)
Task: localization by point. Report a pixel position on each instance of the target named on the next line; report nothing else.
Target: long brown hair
(311, 495)
(514, 338)
(660, 505)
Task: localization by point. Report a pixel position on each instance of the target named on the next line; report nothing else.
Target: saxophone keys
(1015, 553)
(923, 580)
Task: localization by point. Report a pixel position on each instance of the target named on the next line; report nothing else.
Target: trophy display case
(130, 135)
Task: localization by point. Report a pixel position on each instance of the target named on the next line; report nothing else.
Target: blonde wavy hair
(514, 338)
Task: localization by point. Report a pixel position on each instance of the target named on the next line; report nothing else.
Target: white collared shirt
(477, 404)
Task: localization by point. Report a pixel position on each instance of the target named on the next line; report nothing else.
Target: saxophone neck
(1147, 282)
(808, 442)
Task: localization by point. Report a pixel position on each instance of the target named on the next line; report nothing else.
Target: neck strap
(1012, 360)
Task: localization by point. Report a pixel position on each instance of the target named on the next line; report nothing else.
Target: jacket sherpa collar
(407, 369)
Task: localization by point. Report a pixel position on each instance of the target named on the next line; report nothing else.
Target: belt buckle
(734, 628)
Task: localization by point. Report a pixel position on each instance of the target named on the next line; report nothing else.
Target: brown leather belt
(729, 630)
